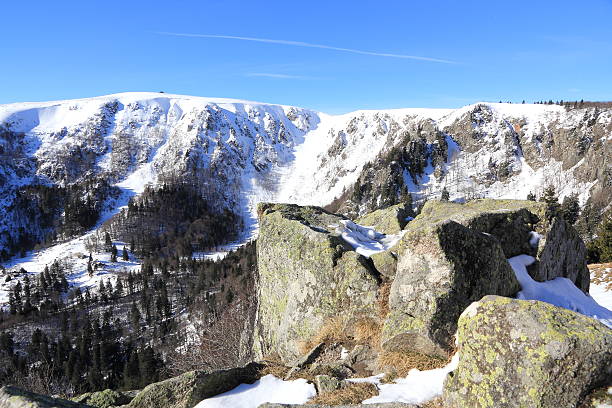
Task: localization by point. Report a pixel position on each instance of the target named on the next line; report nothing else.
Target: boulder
(104, 399)
(326, 383)
(187, 390)
(443, 267)
(516, 353)
(560, 250)
(453, 254)
(390, 220)
(13, 397)
(307, 274)
(562, 253)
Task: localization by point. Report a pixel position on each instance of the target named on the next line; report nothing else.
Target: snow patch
(266, 389)
(416, 388)
(560, 292)
(366, 240)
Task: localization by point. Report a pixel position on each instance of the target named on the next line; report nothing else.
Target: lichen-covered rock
(326, 383)
(516, 353)
(104, 399)
(379, 405)
(390, 220)
(187, 390)
(13, 397)
(443, 267)
(562, 253)
(307, 274)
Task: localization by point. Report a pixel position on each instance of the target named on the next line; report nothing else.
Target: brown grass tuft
(353, 393)
(383, 299)
(402, 362)
(368, 331)
(332, 331)
(277, 370)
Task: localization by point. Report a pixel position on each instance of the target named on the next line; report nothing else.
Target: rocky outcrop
(453, 254)
(564, 254)
(307, 274)
(443, 267)
(13, 397)
(187, 390)
(516, 353)
(105, 399)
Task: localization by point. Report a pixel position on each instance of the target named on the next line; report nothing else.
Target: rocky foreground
(328, 314)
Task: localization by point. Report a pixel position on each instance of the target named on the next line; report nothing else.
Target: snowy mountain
(105, 150)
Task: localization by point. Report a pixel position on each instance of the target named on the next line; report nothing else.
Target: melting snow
(366, 240)
(559, 292)
(267, 389)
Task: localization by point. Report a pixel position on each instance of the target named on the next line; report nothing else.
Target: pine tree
(113, 253)
(570, 208)
(108, 243)
(445, 195)
(126, 256)
(531, 196)
(119, 288)
(90, 270)
(552, 203)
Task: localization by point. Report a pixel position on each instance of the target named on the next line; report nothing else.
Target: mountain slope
(95, 154)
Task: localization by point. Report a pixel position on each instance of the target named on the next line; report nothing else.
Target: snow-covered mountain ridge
(245, 152)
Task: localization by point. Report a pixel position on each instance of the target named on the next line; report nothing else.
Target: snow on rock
(416, 388)
(560, 292)
(366, 240)
(534, 239)
(266, 389)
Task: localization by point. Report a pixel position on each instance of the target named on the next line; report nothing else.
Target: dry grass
(434, 403)
(368, 331)
(601, 274)
(353, 393)
(401, 363)
(277, 370)
(332, 331)
(383, 299)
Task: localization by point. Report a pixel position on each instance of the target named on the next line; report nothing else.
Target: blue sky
(467, 51)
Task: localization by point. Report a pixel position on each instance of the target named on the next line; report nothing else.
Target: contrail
(310, 45)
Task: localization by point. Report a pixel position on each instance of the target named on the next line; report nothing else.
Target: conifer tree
(570, 208)
(531, 196)
(552, 203)
(126, 256)
(445, 195)
(113, 253)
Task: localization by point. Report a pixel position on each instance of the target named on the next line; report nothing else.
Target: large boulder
(516, 353)
(307, 274)
(453, 254)
(443, 267)
(13, 397)
(390, 220)
(187, 390)
(560, 250)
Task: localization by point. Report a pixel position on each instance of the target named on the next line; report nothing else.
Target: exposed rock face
(306, 275)
(187, 390)
(563, 254)
(381, 405)
(390, 220)
(104, 399)
(441, 270)
(453, 254)
(517, 353)
(13, 397)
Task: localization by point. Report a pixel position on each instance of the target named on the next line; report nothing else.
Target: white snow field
(559, 292)
(266, 389)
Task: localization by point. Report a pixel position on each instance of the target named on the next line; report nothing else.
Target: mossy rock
(104, 399)
(517, 353)
(187, 390)
(307, 275)
(390, 220)
(13, 397)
